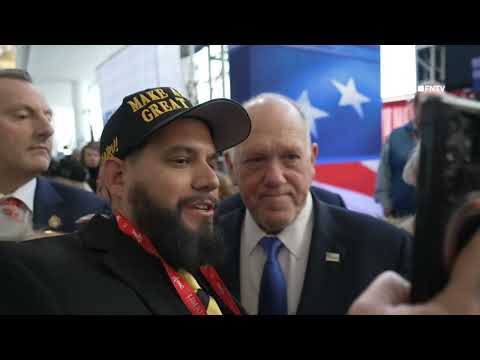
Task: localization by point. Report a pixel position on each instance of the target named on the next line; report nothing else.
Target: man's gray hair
(16, 74)
(267, 95)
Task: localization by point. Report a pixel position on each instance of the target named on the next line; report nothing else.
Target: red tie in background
(14, 209)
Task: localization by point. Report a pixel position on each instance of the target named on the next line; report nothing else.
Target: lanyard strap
(219, 287)
(186, 293)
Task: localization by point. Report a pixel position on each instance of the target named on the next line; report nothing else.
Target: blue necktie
(273, 288)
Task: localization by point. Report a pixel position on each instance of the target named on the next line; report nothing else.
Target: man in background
(25, 152)
(398, 198)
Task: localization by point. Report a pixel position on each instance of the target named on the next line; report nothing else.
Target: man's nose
(274, 173)
(206, 179)
(43, 128)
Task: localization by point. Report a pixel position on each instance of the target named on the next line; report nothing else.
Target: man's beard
(178, 245)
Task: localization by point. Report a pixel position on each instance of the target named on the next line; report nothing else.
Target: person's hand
(389, 293)
(462, 294)
(383, 296)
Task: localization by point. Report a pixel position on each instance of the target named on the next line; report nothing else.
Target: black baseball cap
(143, 113)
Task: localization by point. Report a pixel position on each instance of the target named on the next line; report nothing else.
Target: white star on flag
(311, 113)
(351, 96)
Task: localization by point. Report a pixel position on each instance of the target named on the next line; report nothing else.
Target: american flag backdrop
(338, 89)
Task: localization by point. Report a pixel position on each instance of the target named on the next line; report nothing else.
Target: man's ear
(114, 177)
(313, 155)
(231, 169)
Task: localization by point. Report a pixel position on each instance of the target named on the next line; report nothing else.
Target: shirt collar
(26, 193)
(291, 236)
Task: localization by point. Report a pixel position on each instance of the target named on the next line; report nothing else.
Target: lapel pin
(54, 222)
(332, 257)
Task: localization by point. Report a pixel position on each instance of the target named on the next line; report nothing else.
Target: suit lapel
(231, 224)
(142, 272)
(323, 282)
(47, 202)
(322, 277)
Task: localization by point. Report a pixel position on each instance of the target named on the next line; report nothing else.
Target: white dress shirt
(26, 193)
(293, 258)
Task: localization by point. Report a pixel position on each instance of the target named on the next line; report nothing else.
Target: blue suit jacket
(66, 202)
(367, 247)
(326, 196)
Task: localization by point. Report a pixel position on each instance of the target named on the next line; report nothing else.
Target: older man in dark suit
(290, 252)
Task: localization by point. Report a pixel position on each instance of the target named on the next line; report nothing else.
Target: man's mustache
(196, 198)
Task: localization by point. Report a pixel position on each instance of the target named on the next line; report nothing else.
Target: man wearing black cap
(157, 253)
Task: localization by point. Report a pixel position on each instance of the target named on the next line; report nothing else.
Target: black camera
(448, 185)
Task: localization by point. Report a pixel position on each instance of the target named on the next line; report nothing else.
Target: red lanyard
(219, 287)
(186, 293)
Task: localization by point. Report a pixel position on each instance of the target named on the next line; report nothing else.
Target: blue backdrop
(338, 87)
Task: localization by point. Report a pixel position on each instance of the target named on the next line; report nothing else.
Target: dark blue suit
(326, 196)
(66, 202)
(367, 247)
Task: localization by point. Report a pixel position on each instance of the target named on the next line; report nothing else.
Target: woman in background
(90, 159)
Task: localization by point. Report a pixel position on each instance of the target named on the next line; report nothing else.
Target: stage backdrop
(338, 88)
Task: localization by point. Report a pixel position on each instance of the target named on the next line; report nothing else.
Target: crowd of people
(79, 169)
(145, 221)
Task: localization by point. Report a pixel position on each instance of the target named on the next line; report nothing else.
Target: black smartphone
(449, 175)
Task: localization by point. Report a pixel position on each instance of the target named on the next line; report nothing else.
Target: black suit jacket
(234, 201)
(64, 201)
(367, 247)
(97, 270)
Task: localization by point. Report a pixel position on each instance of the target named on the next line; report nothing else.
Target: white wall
(169, 67)
(93, 110)
(65, 73)
(135, 68)
(59, 95)
(82, 127)
(398, 71)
